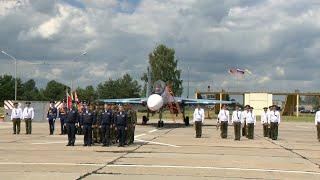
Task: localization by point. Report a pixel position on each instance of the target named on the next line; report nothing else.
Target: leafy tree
(124, 87)
(164, 67)
(312, 100)
(29, 91)
(89, 93)
(54, 90)
(7, 88)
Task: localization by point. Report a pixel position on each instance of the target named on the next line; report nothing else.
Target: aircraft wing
(187, 101)
(125, 101)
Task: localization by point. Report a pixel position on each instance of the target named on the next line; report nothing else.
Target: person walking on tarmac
(198, 119)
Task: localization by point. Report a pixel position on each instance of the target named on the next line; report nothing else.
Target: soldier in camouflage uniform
(113, 134)
(96, 125)
(132, 119)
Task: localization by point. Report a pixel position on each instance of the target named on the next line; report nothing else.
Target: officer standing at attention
(251, 122)
(106, 124)
(274, 118)
(16, 116)
(236, 120)
(244, 122)
(130, 124)
(265, 122)
(198, 119)
(317, 123)
(223, 119)
(86, 121)
(135, 120)
(269, 125)
(121, 125)
(52, 116)
(62, 114)
(80, 111)
(96, 125)
(114, 133)
(71, 120)
(28, 116)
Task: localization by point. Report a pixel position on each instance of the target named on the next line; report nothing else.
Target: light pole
(15, 73)
(188, 80)
(72, 68)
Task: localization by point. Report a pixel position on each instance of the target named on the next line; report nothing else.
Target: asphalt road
(168, 153)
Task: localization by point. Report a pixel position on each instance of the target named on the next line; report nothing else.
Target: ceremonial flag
(69, 100)
(76, 96)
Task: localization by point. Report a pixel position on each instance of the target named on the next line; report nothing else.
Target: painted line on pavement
(56, 142)
(158, 143)
(139, 135)
(153, 130)
(56, 164)
(63, 142)
(164, 166)
(216, 168)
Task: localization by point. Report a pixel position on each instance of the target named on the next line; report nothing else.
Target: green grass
(301, 118)
(167, 115)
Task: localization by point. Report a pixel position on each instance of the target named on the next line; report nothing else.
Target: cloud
(274, 39)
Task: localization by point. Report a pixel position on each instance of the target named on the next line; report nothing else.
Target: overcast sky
(277, 40)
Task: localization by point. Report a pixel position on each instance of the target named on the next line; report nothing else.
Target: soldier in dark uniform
(71, 120)
(80, 110)
(106, 119)
(63, 116)
(96, 126)
(86, 121)
(52, 116)
(121, 125)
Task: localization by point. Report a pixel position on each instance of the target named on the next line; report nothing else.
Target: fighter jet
(162, 98)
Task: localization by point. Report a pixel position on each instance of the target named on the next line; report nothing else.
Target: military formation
(244, 122)
(99, 124)
(106, 124)
(111, 124)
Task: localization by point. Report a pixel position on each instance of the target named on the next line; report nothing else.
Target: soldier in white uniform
(264, 121)
(16, 116)
(251, 122)
(317, 123)
(274, 121)
(236, 120)
(198, 119)
(28, 116)
(223, 120)
(244, 116)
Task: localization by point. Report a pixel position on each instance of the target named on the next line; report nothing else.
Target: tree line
(162, 62)
(123, 87)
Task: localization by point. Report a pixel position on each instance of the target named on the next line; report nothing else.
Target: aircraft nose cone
(155, 102)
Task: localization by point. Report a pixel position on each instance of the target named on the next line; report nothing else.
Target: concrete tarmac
(168, 153)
